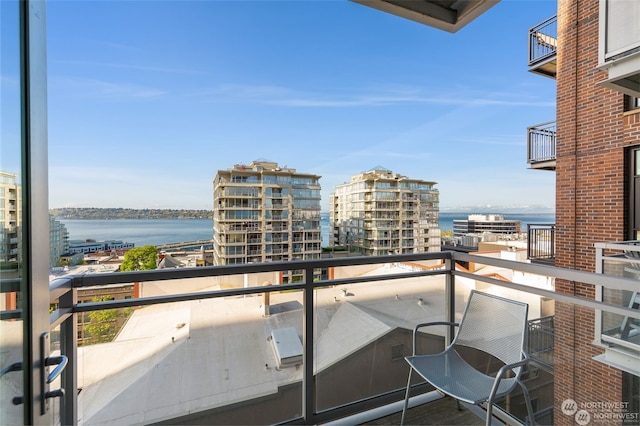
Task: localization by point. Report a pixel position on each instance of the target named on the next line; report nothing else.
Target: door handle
(16, 366)
(47, 377)
(61, 362)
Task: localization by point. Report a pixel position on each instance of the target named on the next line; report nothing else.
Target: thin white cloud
(395, 154)
(168, 70)
(120, 46)
(283, 96)
(93, 88)
(502, 140)
(93, 174)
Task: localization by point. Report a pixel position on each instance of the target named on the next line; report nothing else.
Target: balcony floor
(441, 412)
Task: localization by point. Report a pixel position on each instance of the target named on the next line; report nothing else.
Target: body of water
(140, 231)
(163, 231)
(446, 219)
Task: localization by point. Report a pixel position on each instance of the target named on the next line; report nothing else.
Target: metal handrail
(66, 286)
(541, 241)
(543, 40)
(541, 142)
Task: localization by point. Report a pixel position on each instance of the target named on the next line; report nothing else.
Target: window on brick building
(633, 213)
(631, 103)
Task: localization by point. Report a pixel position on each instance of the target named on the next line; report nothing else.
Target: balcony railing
(620, 332)
(541, 338)
(543, 46)
(190, 352)
(541, 243)
(541, 146)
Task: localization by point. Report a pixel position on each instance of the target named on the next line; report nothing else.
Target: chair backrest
(495, 325)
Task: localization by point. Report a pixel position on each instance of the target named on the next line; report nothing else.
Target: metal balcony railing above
(543, 46)
(541, 146)
(541, 243)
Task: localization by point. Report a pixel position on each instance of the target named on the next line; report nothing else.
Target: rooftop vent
(286, 346)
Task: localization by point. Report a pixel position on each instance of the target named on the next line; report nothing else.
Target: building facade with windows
(10, 217)
(481, 223)
(592, 50)
(58, 241)
(93, 246)
(265, 213)
(380, 212)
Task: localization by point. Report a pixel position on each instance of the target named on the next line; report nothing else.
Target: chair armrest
(427, 324)
(503, 370)
(511, 366)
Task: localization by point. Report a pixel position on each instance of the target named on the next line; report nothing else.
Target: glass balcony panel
(363, 318)
(11, 385)
(211, 361)
(12, 336)
(620, 332)
(618, 327)
(365, 331)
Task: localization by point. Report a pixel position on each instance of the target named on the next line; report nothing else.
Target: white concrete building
(380, 212)
(58, 241)
(479, 224)
(263, 213)
(93, 246)
(10, 217)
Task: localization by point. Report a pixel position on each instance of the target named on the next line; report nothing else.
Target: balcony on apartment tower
(541, 243)
(543, 45)
(541, 146)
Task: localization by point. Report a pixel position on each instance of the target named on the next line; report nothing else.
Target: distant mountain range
(498, 209)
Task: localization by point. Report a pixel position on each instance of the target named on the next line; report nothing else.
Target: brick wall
(592, 132)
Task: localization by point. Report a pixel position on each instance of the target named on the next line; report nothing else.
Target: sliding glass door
(24, 233)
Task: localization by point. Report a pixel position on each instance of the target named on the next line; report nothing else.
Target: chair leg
(406, 397)
(527, 400)
(487, 421)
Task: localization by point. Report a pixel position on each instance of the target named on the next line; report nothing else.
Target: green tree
(103, 325)
(139, 259)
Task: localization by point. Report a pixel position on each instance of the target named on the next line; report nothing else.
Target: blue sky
(147, 100)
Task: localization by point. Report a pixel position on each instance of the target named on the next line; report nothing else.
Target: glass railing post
(308, 385)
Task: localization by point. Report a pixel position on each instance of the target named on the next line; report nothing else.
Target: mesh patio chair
(493, 325)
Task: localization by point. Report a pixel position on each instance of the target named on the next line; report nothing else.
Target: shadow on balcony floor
(441, 412)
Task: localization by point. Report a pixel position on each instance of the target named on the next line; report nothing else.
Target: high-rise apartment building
(263, 213)
(10, 217)
(58, 241)
(380, 212)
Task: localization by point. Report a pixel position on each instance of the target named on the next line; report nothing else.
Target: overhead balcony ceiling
(448, 15)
